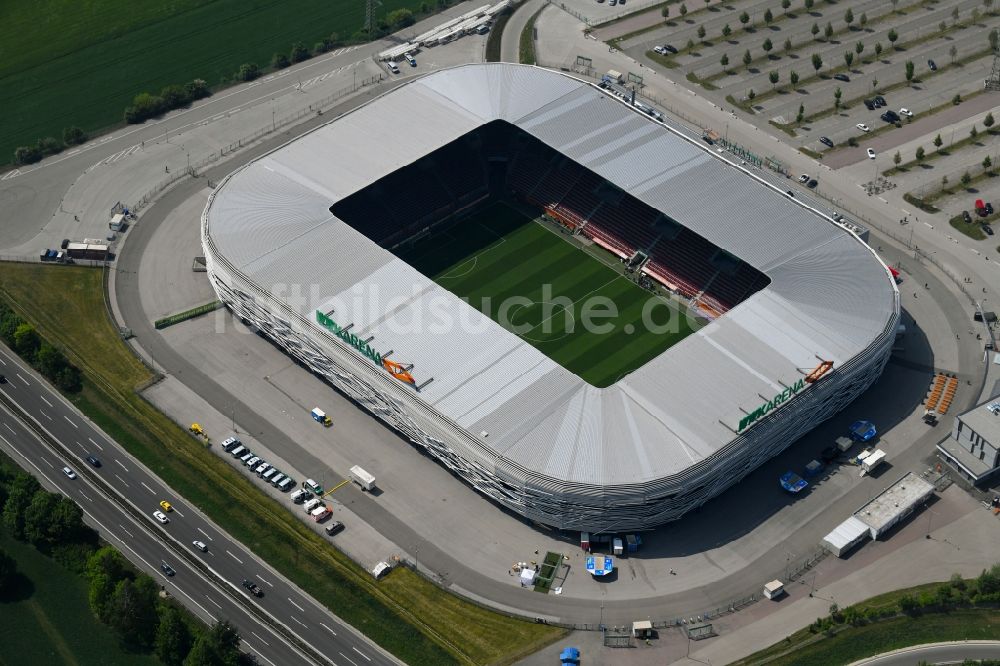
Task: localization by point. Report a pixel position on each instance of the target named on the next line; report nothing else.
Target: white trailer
(872, 461)
(362, 478)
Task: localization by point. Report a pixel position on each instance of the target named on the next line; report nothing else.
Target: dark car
(670, 48)
(94, 461)
(167, 569)
(981, 212)
(880, 100)
(870, 104)
(842, 77)
(989, 208)
(334, 527)
(890, 117)
(988, 230)
(966, 217)
(812, 183)
(829, 454)
(825, 140)
(3, 379)
(932, 65)
(254, 589)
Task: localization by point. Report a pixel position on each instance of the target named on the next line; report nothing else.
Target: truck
(319, 416)
(614, 76)
(362, 478)
(94, 251)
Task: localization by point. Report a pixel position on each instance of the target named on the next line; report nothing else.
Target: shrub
(50, 145)
(248, 71)
(174, 96)
(27, 155)
(400, 18)
(279, 61)
(299, 52)
(74, 136)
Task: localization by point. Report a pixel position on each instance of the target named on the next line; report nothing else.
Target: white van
(269, 473)
(287, 484)
(238, 451)
(392, 67)
(276, 479)
(311, 504)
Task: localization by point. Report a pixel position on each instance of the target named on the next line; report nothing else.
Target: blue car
(793, 483)
(863, 431)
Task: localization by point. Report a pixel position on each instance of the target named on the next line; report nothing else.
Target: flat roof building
(974, 446)
(894, 504)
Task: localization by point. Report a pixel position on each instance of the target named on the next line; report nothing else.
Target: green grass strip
(187, 314)
(526, 46)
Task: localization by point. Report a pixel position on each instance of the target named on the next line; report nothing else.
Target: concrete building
(894, 504)
(974, 446)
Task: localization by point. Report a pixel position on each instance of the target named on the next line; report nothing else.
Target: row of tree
(50, 145)
(47, 359)
(146, 105)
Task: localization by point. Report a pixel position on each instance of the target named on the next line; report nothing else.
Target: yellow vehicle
(196, 429)
(165, 505)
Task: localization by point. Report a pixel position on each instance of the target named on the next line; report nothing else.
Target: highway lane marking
(147, 487)
(217, 605)
(123, 481)
(95, 443)
(85, 495)
(299, 622)
(262, 578)
(45, 415)
(46, 401)
(329, 629)
(205, 533)
(259, 638)
(121, 465)
(361, 653)
(126, 531)
(234, 557)
(70, 422)
(9, 428)
(295, 604)
(178, 512)
(44, 460)
(348, 658)
(259, 652)
(22, 379)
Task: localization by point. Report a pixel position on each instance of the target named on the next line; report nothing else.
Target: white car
(161, 517)
(660, 50)
(200, 545)
(70, 474)
(871, 154)
(906, 112)
(863, 127)
(804, 178)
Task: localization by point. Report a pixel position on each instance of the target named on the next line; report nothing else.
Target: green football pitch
(576, 309)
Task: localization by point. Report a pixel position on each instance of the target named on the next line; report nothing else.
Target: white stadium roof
(829, 297)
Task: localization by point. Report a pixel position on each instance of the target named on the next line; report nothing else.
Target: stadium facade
(494, 410)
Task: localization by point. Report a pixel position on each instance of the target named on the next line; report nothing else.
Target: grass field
(66, 62)
(49, 620)
(530, 279)
(405, 613)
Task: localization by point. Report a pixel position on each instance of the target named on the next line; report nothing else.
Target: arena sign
(772, 404)
(397, 370)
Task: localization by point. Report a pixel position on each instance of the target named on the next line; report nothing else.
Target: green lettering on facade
(771, 404)
(348, 337)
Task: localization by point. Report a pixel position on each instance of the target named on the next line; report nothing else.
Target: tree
(785, 4)
(131, 612)
(994, 38)
(874, 84)
(400, 18)
(767, 45)
(8, 572)
(726, 30)
(701, 32)
(848, 17)
(27, 155)
(878, 49)
(817, 61)
(74, 136)
(108, 562)
(21, 490)
(953, 51)
(744, 19)
(690, 45)
(957, 99)
(920, 154)
(954, 14)
(218, 645)
(768, 17)
(279, 61)
(751, 94)
(966, 179)
(300, 52)
(38, 517)
(828, 31)
(173, 638)
(99, 594)
(938, 141)
(987, 163)
(747, 58)
(197, 89)
(724, 61)
(909, 70)
(248, 71)
(837, 94)
(897, 158)
(665, 12)
(808, 4)
(793, 76)
(942, 26)
(863, 21)
(683, 9)
(801, 114)
(859, 48)
(848, 58)
(988, 120)
(788, 45)
(893, 36)
(973, 133)
(814, 30)
(773, 77)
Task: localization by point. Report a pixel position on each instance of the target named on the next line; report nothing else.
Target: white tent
(528, 577)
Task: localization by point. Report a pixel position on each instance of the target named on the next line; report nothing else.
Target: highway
(935, 653)
(146, 543)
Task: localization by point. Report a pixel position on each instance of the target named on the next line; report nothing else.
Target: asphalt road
(941, 653)
(144, 541)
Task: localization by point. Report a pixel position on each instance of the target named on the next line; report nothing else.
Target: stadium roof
(829, 298)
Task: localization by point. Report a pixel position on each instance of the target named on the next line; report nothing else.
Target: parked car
(870, 105)
(161, 517)
(890, 117)
(334, 527)
(200, 545)
(880, 100)
(826, 141)
(659, 49)
(932, 65)
(906, 112)
(70, 474)
(829, 454)
(966, 217)
(989, 208)
(863, 127)
(254, 589)
(988, 230)
(669, 48)
(871, 154)
(410, 59)
(842, 77)
(167, 569)
(812, 183)
(804, 178)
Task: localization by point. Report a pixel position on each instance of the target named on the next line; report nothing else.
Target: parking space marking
(95, 443)
(302, 624)
(220, 607)
(234, 557)
(265, 580)
(361, 653)
(329, 629)
(295, 604)
(46, 401)
(121, 465)
(70, 422)
(122, 480)
(151, 491)
(205, 533)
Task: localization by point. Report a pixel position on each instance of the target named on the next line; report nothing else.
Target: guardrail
(168, 539)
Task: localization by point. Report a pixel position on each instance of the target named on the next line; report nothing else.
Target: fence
(272, 127)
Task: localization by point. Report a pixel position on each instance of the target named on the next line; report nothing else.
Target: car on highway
(906, 112)
(871, 153)
(166, 506)
(334, 528)
(70, 474)
(812, 184)
(167, 569)
(842, 77)
(200, 545)
(826, 141)
(161, 517)
(932, 65)
(863, 127)
(804, 178)
(253, 588)
(3, 379)
(988, 230)
(966, 217)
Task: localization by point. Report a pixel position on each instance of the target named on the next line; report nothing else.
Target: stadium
(435, 254)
